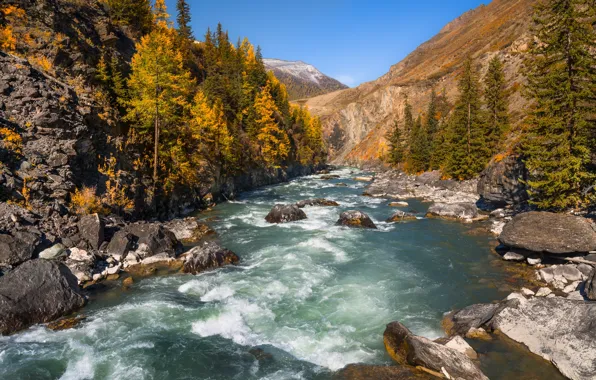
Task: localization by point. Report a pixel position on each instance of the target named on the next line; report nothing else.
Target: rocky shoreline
(552, 316)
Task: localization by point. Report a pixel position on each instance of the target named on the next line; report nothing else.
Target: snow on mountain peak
(297, 69)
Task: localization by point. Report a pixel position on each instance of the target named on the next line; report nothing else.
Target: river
(308, 298)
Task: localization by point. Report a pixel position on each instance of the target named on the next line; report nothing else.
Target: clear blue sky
(353, 41)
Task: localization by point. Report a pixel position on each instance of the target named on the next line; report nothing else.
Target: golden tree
(273, 141)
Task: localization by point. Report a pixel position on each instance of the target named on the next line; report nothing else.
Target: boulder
(459, 344)
(37, 291)
(401, 216)
(471, 317)
(459, 211)
(500, 184)
(17, 247)
(379, 372)
(327, 177)
(549, 232)
(206, 256)
(52, 253)
(189, 230)
(284, 214)
(354, 218)
(317, 202)
(407, 348)
(91, 229)
(398, 204)
(558, 329)
(120, 244)
(152, 239)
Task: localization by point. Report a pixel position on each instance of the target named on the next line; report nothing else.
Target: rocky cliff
(356, 120)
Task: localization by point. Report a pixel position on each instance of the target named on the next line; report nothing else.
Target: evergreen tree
(418, 158)
(468, 153)
(495, 97)
(396, 145)
(160, 14)
(272, 140)
(440, 143)
(561, 75)
(135, 13)
(408, 125)
(183, 20)
(160, 90)
(432, 126)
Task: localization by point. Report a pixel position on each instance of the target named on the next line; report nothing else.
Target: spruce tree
(408, 126)
(469, 153)
(496, 99)
(440, 143)
(561, 76)
(418, 158)
(396, 146)
(183, 19)
(432, 126)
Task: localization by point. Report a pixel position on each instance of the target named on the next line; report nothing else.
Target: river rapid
(308, 298)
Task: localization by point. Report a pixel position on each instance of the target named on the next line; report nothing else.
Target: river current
(308, 298)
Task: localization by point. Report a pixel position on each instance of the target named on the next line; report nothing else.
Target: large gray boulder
(17, 247)
(151, 239)
(500, 184)
(354, 218)
(558, 329)
(316, 202)
(284, 214)
(458, 211)
(206, 256)
(407, 348)
(91, 229)
(35, 292)
(549, 232)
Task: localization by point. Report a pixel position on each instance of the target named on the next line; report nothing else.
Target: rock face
(35, 292)
(459, 211)
(407, 348)
(379, 372)
(401, 216)
(316, 202)
(206, 256)
(354, 218)
(499, 184)
(284, 214)
(550, 233)
(590, 287)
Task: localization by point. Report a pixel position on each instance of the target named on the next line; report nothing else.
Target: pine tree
(408, 125)
(135, 13)
(183, 20)
(561, 75)
(432, 126)
(396, 145)
(160, 14)
(440, 143)
(496, 99)
(469, 153)
(418, 158)
(117, 81)
(160, 90)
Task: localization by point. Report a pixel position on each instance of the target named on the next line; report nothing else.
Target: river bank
(306, 299)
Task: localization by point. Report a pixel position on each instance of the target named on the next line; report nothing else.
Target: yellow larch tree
(273, 141)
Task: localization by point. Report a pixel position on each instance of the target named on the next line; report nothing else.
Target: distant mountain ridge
(302, 80)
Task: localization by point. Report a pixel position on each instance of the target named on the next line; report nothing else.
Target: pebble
(543, 292)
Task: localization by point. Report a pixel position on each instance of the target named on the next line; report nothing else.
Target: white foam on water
(320, 243)
(2, 355)
(218, 293)
(196, 287)
(81, 368)
(275, 290)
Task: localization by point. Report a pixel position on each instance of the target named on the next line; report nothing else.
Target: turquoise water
(308, 298)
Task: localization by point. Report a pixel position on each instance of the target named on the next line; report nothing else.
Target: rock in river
(208, 255)
(460, 211)
(354, 218)
(549, 232)
(317, 202)
(284, 214)
(401, 216)
(407, 348)
(380, 372)
(35, 292)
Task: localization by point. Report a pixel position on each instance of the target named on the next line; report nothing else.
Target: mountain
(301, 79)
(356, 120)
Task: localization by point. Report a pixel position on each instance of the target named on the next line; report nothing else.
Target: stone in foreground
(457, 211)
(206, 256)
(549, 232)
(285, 214)
(407, 348)
(317, 202)
(35, 292)
(354, 218)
